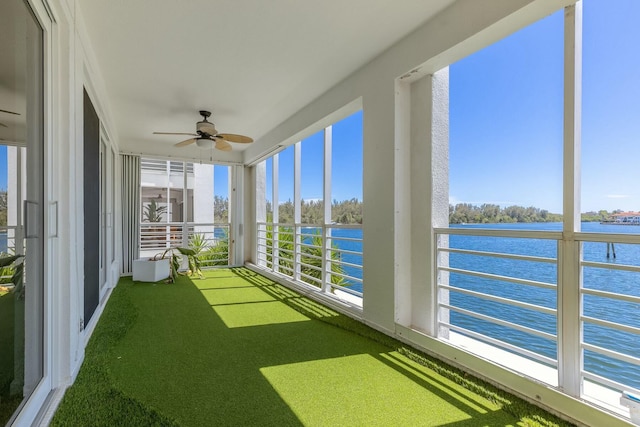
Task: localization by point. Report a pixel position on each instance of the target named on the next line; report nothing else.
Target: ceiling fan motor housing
(206, 127)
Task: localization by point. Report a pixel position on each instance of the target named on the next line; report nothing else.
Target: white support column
(439, 180)
(275, 202)
(420, 214)
(297, 209)
(275, 167)
(326, 231)
(236, 214)
(402, 204)
(185, 193)
(570, 250)
(260, 196)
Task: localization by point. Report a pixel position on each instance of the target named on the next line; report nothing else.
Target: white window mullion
(259, 233)
(275, 167)
(569, 250)
(185, 186)
(326, 231)
(297, 214)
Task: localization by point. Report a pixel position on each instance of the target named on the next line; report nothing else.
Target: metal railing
(174, 167)
(211, 240)
(328, 257)
(610, 318)
(501, 287)
(495, 296)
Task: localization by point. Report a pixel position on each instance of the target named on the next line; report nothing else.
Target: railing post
(275, 243)
(297, 229)
(569, 249)
(326, 196)
(441, 277)
(326, 259)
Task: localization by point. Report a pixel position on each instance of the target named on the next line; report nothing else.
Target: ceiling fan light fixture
(204, 143)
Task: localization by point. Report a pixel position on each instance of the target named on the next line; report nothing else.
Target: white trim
(569, 250)
(575, 410)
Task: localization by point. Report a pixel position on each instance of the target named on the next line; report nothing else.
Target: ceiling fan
(207, 135)
(8, 112)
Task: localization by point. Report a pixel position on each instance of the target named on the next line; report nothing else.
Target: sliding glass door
(21, 205)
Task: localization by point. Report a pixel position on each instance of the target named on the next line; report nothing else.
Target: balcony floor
(238, 349)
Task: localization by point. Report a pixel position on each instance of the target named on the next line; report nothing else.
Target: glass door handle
(53, 213)
(28, 217)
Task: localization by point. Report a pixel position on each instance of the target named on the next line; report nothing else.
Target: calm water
(622, 282)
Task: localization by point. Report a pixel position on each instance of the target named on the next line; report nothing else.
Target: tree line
(350, 212)
(462, 213)
(312, 212)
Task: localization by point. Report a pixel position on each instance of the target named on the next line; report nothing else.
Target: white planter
(145, 270)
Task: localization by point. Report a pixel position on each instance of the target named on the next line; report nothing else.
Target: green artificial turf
(8, 403)
(238, 349)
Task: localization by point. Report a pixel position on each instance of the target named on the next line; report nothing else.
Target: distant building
(626, 218)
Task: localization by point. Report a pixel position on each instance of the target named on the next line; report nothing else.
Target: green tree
(3, 207)
(490, 213)
(220, 209)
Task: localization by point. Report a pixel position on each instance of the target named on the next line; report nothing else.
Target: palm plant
(152, 212)
(218, 254)
(175, 260)
(11, 264)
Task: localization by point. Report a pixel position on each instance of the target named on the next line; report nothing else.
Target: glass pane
(311, 179)
(175, 205)
(155, 207)
(285, 186)
(221, 194)
(21, 196)
(269, 189)
(506, 130)
(210, 205)
(610, 110)
(346, 170)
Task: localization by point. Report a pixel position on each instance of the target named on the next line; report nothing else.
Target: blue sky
(506, 120)
(506, 115)
(346, 173)
(221, 180)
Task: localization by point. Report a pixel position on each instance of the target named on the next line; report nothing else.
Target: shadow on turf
(185, 363)
(520, 409)
(315, 310)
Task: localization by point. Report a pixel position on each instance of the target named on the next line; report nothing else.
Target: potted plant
(173, 255)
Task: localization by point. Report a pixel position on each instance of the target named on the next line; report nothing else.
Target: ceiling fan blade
(222, 145)
(9, 112)
(235, 138)
(186, 142)
(175, 133)
(11, 142)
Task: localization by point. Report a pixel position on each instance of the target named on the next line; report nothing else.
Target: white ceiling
(252, 62)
